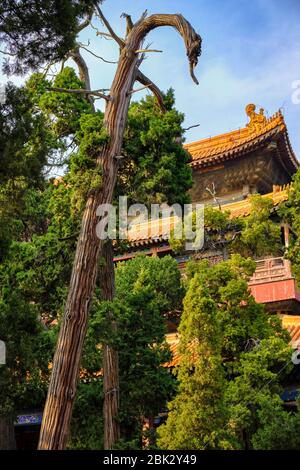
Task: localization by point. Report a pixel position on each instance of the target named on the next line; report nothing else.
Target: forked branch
(87, 21)
(129, 23)
(141, 78)
(105, 35)
(139, 51)
(80, 92)
(82, 66)
(98, 56)
(108, 27)
(138, 89)
(84, 74)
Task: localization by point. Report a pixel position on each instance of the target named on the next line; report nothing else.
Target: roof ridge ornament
(256, 120)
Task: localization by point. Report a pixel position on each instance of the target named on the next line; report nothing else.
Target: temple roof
(292, 324)
(243, 208)
(158, 230)
(259, 132)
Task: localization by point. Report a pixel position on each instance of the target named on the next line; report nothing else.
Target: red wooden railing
(271, 269)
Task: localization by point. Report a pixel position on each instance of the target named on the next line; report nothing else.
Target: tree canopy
(234, 358)
(146, 290)
(40, 216)
(34, 32)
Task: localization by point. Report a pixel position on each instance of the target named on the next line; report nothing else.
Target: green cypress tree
(197, 415)
(252, 351)
(147, 289)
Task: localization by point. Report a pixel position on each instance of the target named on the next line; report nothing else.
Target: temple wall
(235, 179)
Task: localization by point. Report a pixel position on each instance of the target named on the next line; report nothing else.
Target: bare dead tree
(110, 363)
(66, 363)
(212, 191)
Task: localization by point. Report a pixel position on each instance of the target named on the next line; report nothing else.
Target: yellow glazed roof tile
(235, 140)
(158, 230)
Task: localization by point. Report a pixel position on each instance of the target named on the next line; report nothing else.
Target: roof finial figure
(257, 120)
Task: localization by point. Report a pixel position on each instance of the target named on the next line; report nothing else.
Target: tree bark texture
(63, 382)
(110, 357)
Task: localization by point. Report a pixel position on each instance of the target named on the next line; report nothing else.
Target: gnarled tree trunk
(107, 284)
(66, 363)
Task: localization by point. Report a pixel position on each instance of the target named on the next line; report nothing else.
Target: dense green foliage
(196, 416)
(280, 429)
(260, 236)
(233, 355)
(146, 290)
(23, 378)
(254, 353)
(87, 418)
(155, 169)
(256, 235)
(25, 146)
(35, 32)
(39, 222)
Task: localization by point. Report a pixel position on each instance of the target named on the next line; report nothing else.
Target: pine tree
(197, 414)
(254, 358)
(40, 247)
(36, 32)
(147, 289)
(25, 145)
(63, 383)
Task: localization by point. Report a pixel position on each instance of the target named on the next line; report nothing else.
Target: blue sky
(251, 53)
